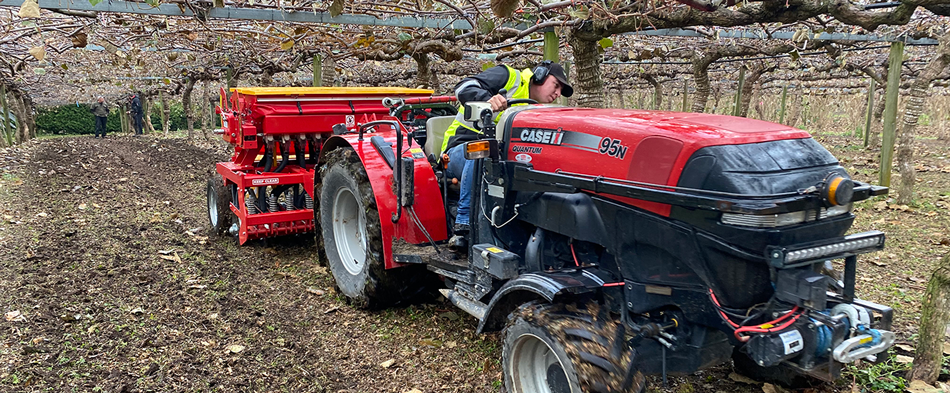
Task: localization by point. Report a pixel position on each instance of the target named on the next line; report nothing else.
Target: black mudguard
(537, 286)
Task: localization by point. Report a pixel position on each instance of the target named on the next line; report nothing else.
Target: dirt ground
(109, 282)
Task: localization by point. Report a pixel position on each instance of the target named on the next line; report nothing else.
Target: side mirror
(217, 109)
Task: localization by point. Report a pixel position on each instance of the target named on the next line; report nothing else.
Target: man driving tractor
(544, 84)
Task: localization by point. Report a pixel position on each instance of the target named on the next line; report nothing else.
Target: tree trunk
(878, 124)
(751, 78)
(203, 110)
(147, 115)
(186, 107)
(423, 72)
(758, 105)
(589, 86)
(23, 107)
(908, 132)
(796, 106)
(123, 118)
(621, 104)
(657, 91)
(166, 111)
(701, 77)
(934, 316)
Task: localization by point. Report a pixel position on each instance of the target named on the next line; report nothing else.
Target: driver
(544, 84)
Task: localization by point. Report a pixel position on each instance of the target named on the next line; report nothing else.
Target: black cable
(418, 222)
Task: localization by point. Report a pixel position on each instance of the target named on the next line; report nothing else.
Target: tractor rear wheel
(556, 348)
(219, 206)
(352, 241)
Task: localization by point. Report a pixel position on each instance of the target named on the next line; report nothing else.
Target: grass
(887, 376)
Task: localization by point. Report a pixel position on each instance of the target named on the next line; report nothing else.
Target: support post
(870, 112)
(551, 45)
(737, 110)
(123, 119)
(895, 62)
(781, 111)
(317, 70)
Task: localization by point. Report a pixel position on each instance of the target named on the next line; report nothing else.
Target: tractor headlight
(783, 219)
(860, 243)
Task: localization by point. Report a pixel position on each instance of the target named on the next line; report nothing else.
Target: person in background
(135, 109)
(544, 84)
(101, 111)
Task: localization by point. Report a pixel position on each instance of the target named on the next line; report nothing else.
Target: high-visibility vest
(517, 87)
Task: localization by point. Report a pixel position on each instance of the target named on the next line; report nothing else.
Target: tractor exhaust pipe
(474, 307)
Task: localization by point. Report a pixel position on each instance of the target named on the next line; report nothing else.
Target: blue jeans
(462, 169)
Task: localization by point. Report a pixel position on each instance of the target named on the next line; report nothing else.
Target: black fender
(537, 286)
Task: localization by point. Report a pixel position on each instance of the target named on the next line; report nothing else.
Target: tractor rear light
(480, 149)
(854, 244)
(782, 219)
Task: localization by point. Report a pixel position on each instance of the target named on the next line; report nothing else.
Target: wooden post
(870, 112)
(737, 110)
(317, 71)
(7, 131)
(551, 45)
(781, 111)
(123, 119)
(895, 62)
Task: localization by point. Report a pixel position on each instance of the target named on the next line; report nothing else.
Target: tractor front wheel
(352, 241)
(556, 348)
(219, 209)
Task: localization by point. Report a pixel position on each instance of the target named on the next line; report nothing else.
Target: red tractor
(608, 243)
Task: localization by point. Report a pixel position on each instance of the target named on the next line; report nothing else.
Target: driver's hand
(498, 103)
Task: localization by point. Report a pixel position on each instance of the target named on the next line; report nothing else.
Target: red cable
(574, 255)
(755, 328)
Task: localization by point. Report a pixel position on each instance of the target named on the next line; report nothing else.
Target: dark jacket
(136, 106)
(100, 109)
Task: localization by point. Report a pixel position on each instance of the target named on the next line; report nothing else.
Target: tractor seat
(435, 133)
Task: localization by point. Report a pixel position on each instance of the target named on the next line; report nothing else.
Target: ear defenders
(541, 72)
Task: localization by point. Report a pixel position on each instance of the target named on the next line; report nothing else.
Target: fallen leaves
(315, 291)
(14, 316)
(904, 359)
(918, 386)
(387, 364)
(235, 348)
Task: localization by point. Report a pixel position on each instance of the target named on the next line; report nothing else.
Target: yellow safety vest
(517, 87)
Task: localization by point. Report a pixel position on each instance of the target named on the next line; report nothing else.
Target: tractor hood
(695, 150)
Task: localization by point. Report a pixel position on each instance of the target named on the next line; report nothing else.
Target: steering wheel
(516, 100)
(521, 101)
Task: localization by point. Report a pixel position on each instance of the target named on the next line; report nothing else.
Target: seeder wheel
(219, 210)
(352, 240)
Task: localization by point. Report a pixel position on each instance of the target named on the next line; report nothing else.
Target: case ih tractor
(605, 244)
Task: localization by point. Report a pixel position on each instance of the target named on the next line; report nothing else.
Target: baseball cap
(557, 72)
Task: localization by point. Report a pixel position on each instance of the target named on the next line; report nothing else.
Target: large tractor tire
(219, 206)
(351, 238)
(556, 348)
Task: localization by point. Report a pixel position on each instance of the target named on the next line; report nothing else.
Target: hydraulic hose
(284, 156)
(312, 147)
(268, 159)
(298, 147)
